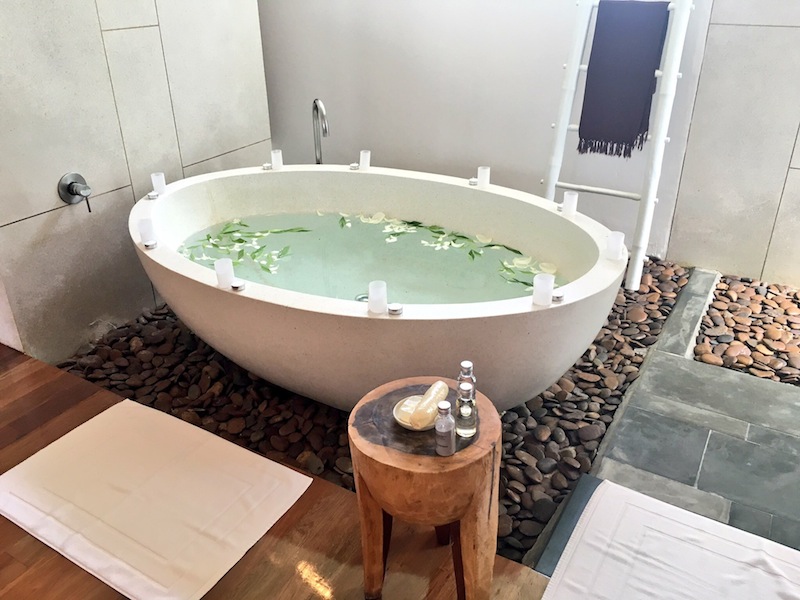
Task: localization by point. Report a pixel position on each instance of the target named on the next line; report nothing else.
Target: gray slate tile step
(741, 396)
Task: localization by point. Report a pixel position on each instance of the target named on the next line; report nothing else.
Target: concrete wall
(739, 203)
(113, 89)
(448, 85)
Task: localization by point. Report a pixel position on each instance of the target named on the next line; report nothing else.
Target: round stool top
(373, 430)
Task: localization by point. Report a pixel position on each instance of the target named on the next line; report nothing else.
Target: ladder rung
(572, 127)
(598, 190)
(583, 68)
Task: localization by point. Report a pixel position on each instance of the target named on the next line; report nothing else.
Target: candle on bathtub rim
(147, 233)
(615, 245)
(484, 174)
(277, 159)
(570, 205)
(543, 284)
(159, 183)
(224, 270)
(364, 159)
(377, 298)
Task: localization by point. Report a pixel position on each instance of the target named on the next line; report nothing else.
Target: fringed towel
(620, 81)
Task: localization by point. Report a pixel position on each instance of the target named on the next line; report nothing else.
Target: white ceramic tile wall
(136, 63)
(743, 131)
(250, 156)
(216, 74)
(65, 273)
(757, 12)
(57, 110)
(783, 258)
(118, 14)
(71, 270)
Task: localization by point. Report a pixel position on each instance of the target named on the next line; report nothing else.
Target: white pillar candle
(484, 174)
(615, 245)
(159, 183)
(224, 269)
(377, 302)
(277, 159)
(363, 159)
(570, 205)
(147, 233)
(543, 289)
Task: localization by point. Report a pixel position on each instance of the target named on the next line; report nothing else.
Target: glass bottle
(467, 372)
(466, 410)
(445, 426)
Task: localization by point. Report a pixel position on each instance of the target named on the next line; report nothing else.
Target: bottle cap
(465, 387)
(466, 365)
(444, 406)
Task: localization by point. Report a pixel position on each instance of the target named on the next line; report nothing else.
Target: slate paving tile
(659, 444)
(786, 532)
(750, 519)
(753, 475)
(774, 439)
(741, 396)
(678, 334)
(690, 414)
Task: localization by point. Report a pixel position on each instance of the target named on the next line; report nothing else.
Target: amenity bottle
(467, 372)
(466, 410)
(445, 427)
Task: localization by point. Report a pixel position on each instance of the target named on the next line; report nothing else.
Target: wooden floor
(312, 552)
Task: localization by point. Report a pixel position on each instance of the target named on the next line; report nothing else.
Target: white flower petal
(483, 239)
(548, 267)
(522, 261)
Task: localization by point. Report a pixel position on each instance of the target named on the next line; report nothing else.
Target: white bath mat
(151, 505)
(628, 546)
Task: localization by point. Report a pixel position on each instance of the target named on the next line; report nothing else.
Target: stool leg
(443, 535)
(376, 529)
(475, 541)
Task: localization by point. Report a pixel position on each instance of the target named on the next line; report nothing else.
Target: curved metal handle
(80, 189)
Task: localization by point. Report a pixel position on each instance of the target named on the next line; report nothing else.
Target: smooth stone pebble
(547, 465)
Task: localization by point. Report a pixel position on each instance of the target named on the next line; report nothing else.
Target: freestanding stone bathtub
(332, 350)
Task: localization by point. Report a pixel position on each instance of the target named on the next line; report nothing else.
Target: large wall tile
(251, 156)
(116, 14)
(136, 62)
(742, 135)
(756, 12)
(216, 75)
(68, 271)
(58, 109)
(783, 258)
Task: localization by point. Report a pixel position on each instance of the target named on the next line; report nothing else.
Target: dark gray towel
(620, 81)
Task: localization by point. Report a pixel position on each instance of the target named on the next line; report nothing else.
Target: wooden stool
(398, 474)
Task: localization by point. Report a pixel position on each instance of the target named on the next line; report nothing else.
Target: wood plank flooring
(312, 552)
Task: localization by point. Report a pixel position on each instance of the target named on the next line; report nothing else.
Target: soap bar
(425, 413)
(406, 408)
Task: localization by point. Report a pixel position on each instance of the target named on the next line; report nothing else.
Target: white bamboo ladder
(664, 97)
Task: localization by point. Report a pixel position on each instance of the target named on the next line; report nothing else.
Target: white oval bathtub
(331, 350)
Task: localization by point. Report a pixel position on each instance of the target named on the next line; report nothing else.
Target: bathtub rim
(603, 273)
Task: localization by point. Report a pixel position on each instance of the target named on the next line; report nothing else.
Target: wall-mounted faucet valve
(72, 188)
